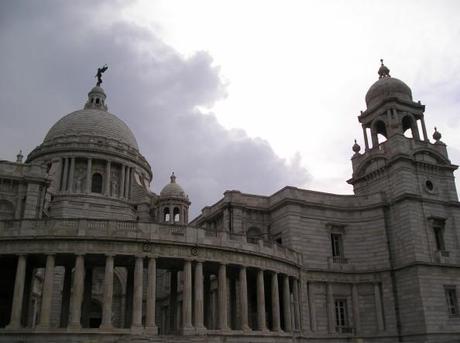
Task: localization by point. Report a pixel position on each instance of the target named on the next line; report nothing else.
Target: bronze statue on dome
(100, 71)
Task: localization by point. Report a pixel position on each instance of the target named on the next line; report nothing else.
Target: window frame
(450, 292)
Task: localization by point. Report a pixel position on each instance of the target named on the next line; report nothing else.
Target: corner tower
(398, 157)
(420, 210)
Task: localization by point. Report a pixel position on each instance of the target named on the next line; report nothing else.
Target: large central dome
(92, 122)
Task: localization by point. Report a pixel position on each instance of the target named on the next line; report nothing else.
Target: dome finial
(383, 70)
(19, 157)
(100, 71)
(173, 178)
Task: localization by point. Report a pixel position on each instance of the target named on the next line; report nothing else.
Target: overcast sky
(248, 95)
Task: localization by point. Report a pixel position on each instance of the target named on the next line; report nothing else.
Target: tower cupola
(173, 203)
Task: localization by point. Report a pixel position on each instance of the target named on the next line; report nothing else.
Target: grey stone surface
(375, 266)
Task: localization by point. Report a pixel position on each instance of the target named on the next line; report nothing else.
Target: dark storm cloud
(50, 51)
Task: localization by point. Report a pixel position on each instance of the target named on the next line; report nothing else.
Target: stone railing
(139, 231)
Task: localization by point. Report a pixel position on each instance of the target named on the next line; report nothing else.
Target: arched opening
(166, 215)
(6, 210)
(176, 214)
(253, 235)
(95, 314)
(96, 183)
(381, 131)
(408, 127)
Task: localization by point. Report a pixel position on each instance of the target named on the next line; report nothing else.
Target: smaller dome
(173, 190)
(387, 87)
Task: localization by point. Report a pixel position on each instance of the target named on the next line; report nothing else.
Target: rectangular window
(451, 298)
(341, 315)
(438, 229)
(337, 246)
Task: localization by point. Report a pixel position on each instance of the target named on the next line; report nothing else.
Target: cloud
(50, 52)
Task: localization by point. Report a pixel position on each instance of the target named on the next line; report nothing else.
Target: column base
(264, 331)
(74, 326)
(200, 330)
(13, 327)
(136, 329)
(151, 330)
(188, 331)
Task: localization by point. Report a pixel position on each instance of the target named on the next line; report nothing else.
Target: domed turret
(174, 203)
(387, 87)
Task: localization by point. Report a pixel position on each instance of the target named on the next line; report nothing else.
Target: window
(451, 298)
(341, 313)
(176, 215)
(96, 183)
(166, 215)
(337, 246)
(438, 230)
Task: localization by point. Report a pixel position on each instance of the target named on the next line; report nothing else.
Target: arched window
(176, 214)
(253, 235)
(166, 215)
(381, 131)
(408, 127)
(96, 183)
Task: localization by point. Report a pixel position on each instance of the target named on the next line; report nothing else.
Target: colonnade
(284, 300)
(68, 179)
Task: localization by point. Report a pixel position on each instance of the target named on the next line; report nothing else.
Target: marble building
(89, 253)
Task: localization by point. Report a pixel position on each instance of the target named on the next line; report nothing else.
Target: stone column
(378, 307)
(107, 179)
(187, 299)
(150, 325)
(223, 322)
(89, 168)
(261, 320)
(128, 183)
(16, 308)
(355, 302)
(47, 294)
(136, 322)
(199, 298)
(366, 141)
(287, 304)
(330, 308)
(71, 173)
(76, 299)
(275, 303)
(425, 136)
(65, 174)
(108, 294)
(122, 183)
(244, 299)
(296, 295)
